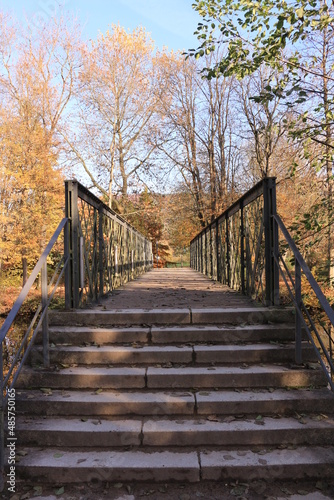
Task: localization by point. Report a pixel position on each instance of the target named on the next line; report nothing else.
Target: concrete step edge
(67, 466)
(231, 315)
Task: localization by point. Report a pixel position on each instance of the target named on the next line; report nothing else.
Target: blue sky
(170, 22)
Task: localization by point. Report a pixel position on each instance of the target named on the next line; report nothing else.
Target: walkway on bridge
(174, 289)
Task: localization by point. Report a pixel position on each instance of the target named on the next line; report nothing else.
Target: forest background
(166, 139)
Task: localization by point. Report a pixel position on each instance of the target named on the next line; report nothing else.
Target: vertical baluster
(45, 323)
(298, 298)
(101, 252)
(242, 247)
(67, 275)
(211, 251)
(71, 207)
(227, 244)
(271, 268)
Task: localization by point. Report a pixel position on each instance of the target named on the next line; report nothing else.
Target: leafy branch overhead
(294, 38)
(256, 32)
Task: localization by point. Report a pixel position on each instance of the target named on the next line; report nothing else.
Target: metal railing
(10, 371)
(249, 249)
(236, 248)
(105, 251)
(296, 281)
(101, 252)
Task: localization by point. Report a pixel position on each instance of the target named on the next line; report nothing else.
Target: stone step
(282, 464)
(254, 353)
(237, 315)
(142, 354)
(166, 378)
(105, 403)
(83, 378)
(233, 377)
(98, 317)
(223, 334)
(222, 315)
(204, 402)
(260, 431)
(68, 466)
(104, 355)
(76, 432)
(264, 402)
(76, 335)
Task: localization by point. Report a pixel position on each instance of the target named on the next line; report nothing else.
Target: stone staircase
(173, 395)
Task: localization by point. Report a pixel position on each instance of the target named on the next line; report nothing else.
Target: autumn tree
(198, 135)
(116, 94)
(37, 73)
(181, 223)
(262, 123)
(147, 213)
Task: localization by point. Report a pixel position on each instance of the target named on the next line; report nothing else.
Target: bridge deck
(174, 288)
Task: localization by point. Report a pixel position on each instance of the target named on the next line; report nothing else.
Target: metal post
(198, 255)
(298, 297)
(211, 252)
(116, 261)
(227, 243)
(73, 217)
(45, 323)
(275, 244)
(206, 253)
(271, 242)
(101, 252)
(157, 253)
(66, 259)
(218, 252)
(242, 247)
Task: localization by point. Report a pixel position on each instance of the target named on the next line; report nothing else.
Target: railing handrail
(220, 238)
(243, 201)
(26, 288)
(95, 202)
(301, 310)
(315, 286)
(97, 242)
(8, 381)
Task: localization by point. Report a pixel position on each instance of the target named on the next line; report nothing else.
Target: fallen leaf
(46, 390)
(22, 453)
(213, 418)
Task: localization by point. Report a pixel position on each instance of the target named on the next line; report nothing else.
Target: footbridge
(170, 375)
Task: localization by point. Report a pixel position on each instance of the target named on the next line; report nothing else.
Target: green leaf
(300, 12)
